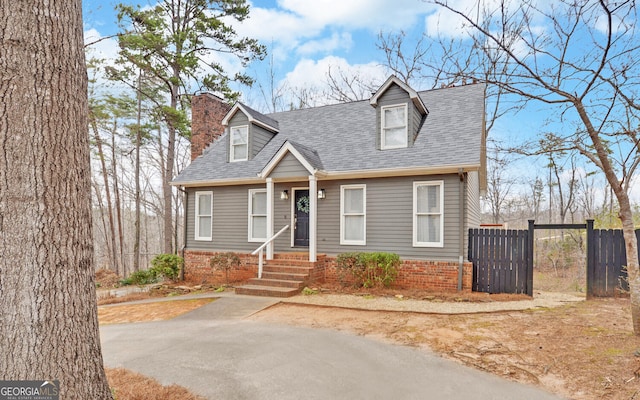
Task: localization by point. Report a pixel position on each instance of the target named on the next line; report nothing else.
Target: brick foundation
(198, 268)
(441, 276)
(413, 274)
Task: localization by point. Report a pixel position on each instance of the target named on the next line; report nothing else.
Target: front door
(301, 218)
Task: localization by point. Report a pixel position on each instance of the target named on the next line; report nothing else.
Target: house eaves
(219, 182)
(337, 175)
(254, 117)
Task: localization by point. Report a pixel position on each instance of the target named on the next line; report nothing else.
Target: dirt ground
(146, 312)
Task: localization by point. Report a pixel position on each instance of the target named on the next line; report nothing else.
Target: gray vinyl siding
(389, 217)
(473, 199)
(289, 167)
(230, 219)
(258, 138)
(472, 206)
(415, 120)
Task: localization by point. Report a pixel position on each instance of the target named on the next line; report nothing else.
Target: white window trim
(197, 216)
(343, 241)
(416, 243)
(383, 145)
(251, 215)
(231, 146)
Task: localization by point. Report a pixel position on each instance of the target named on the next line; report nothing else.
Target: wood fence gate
(503, 259)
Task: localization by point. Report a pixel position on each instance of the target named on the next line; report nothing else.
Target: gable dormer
(248, 132)
(399, 114)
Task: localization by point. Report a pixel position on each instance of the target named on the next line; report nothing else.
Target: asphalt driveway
(214, 352)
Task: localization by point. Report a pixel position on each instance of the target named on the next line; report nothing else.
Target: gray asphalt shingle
(342, 138)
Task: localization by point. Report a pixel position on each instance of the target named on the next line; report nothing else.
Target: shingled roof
(341, 138)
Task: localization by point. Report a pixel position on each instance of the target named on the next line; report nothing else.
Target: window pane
(395, 137)
(353, 201)
(354, 227)
(239, 136)
(428, 199)
(240, 152)
(204, 204)
(259, 203)
(204, 227)
(428, 228)
(259, 227)
(394, 117)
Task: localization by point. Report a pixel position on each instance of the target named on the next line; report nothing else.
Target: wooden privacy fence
(606, 261)
(503, 259)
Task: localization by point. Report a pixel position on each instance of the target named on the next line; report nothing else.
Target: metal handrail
(261, 249)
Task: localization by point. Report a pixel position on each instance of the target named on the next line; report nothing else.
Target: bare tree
(499, 184)
(49, 322)
(345, 86)
(582, 58)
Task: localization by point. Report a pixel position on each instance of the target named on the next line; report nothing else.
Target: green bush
(368, 269)
(166, 266)
(142, 277)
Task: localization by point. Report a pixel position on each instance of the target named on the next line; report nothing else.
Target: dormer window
(239, 150)
(394, 127)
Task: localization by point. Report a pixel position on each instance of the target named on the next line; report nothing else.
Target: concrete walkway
(218, 354)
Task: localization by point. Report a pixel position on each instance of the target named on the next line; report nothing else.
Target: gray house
(401, 172)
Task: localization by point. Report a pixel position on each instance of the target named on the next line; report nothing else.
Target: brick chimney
(207, 112)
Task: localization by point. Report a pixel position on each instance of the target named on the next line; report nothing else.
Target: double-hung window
(257, 215)
(204, 216)
(428, 216)
(394, 127)
(239, 150)
(353, 215)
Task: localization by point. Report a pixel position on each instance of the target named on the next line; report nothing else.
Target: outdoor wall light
(321, 194)
(284, 195)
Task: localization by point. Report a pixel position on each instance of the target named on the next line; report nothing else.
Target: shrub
(142, 277)
(225, 262)
(166, 266)
(368, 269)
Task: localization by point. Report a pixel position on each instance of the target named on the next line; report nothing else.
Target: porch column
(313, 216)
(270, 218)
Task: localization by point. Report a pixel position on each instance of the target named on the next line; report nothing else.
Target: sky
(307, 38)
(304, 38)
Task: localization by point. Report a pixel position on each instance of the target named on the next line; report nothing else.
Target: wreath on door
(303, 204)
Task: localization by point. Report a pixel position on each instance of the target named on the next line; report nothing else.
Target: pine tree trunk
(49, 326)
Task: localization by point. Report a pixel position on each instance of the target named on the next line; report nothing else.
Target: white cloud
(355, 14)
(300, 25)
(327, 44)
(101, 47)
(312, 76)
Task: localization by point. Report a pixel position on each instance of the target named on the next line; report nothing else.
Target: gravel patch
(540, 300)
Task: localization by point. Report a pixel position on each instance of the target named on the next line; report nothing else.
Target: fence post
(591, 262)
(530, 258)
